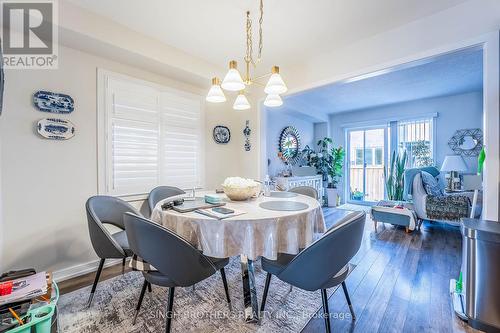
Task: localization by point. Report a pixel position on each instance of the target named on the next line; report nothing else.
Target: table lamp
(453, 164)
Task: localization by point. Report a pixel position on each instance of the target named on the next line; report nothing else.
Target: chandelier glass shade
(273, 100)
(241, 102)
(234, 81)
(275, 85)
(215, 94)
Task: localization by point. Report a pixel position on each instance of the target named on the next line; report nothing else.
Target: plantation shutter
(153, 137)
(134, 137)
(180, 141)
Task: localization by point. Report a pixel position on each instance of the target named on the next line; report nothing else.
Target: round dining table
(264, 227)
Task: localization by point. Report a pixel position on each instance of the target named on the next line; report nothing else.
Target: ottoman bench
(396, 213)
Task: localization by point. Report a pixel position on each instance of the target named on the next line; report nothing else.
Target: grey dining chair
(162, 192)
(107, 210)
(305, 190)
(184, 267)
(322, 265)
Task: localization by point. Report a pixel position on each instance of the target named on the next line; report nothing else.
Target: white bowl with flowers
(239, 189)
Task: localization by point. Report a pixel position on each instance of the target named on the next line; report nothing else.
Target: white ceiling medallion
(233, 81)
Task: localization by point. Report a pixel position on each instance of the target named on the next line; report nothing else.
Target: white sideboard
(287, 183)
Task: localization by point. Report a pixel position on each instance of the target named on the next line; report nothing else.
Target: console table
(287, 183)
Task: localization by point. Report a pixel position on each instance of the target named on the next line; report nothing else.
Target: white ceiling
(294, 30)
(449, 74)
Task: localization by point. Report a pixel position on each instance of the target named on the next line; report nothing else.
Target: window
(152, 135)
(369, 156)
(379, 155)
(373, 156)
(416, 137)
(359, 156)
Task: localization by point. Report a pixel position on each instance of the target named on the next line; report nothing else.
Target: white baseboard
(78, 270)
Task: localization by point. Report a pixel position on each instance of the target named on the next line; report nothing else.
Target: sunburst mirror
(289, 145)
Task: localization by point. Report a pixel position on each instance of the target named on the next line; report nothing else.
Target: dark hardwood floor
(401, 282)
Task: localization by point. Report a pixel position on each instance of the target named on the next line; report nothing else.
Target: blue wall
(454, 112)
(276, 121)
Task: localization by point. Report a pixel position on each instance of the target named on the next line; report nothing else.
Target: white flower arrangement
(238, 182)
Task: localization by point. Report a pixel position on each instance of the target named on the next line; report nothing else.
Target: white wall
(45, 183)
(231, 159)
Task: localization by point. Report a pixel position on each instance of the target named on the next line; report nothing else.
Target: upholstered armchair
(444, 204)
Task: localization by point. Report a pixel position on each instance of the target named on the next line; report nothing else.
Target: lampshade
(241, 102)
(273, 100)
(275, 85)
(233, 81)
(454, 163)
(215, 94)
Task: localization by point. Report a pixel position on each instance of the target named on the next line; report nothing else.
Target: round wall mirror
(289, 144)
(467, 142)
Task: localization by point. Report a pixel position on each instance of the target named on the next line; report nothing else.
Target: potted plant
(335, 173)
(328, 161)
(356, 195)
(394, 176)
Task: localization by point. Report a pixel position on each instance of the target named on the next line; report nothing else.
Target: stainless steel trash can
(481, 273)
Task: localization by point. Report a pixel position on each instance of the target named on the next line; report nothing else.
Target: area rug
(203, 309)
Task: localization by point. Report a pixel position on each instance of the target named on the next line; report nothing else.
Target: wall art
(55, 129)
(467, 142)
(289, 145)
(47, 101)
(246, 132)
(221, 134)
(2, 79)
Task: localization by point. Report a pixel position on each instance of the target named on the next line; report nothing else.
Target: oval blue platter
(47, 101)
(55, 129)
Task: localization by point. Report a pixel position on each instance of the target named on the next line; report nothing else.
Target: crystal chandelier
(233, 81)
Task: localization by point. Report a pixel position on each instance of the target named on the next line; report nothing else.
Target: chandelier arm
(258, 83)
(261, 77)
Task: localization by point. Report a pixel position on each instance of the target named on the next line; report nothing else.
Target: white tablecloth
(258, 232)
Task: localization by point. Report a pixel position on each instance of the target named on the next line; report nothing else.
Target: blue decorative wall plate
(221, 134)
(55, 129)
(47, 101)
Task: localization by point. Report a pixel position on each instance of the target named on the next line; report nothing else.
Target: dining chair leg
(123, 265)
(138, 307)
(226, 289)
(326, 312)
(266, 290)
(96, 280)
(348, 299)
(149, 287)
(170, 306)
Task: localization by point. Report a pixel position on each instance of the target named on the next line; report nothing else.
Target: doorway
(367, 154)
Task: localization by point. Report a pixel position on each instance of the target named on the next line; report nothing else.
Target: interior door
(367, 151)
